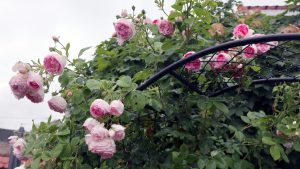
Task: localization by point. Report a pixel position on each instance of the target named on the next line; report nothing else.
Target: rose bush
(110, 124)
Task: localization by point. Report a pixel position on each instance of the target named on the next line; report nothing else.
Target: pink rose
(165, 27)
(19, 147)
(116, 108)
(54, 63)
(21, 67)
(34, 81)
(58, 104)
(36, 96)
(194, 65)
(88, 139)
(156, 21)
(261, 47)
(90, 123)
(99, 108)
(273, 44)
(105, 148)
(18, 85)
(220, 60)
(250, 51)
(117, 132)
(12, 139)
(241, 31)
(125, 30)
(99, 133)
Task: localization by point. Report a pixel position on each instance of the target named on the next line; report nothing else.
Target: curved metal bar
(223, 46)
(259, 81)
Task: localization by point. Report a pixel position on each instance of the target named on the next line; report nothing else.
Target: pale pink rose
(34, 81)
(21, 67)
(125, 30)
(116, 108)
(55, 63)
(124, 13)
(220, 60)
(147, 20)
(99, 108)
(261, 47)
(19, 147)
(99, 133)
(21, 167)
(250, 51)
(117, 132)
(241, 31)
(12, 139)
(156, 21)
(273, 44)
(90, 123)
(88, 139)
(165, 27)
(18, 85)
(58, 104)
(106, 147)
(36, 96)
(194, 65)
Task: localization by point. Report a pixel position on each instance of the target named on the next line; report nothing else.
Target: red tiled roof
(4, 162)
(277, 7)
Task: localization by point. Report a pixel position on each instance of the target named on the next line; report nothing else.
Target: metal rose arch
(280, 63)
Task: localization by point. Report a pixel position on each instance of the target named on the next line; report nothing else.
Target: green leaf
(201, 163)
(297, 145)
(63, 132)
(245, 119)
(211, 165)
(103, 63)
(67, 49)
(35, 163)
(268, 141)
(83, 50)
(275, 152)
(222, 107)
(55, 152)
(93, 84)
(124, 81)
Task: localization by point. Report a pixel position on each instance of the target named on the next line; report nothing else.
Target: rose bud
(54, 63)
(21, 67)
(116, 108)
(99, 108)
(58, 104)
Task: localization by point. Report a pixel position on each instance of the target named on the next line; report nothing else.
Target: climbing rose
(117, 132)
(116, 108)
(34, 81)
(219, 60)
(36, 96)
(250, 51)
(261, 47)
(241, 31)
(99, 133)
(90, 123)
(19, 147)
(105, 148)
(58, 104)
(165, 27)
(125, 30)
(54, 63)
(12, 139)
(18, 85)
(21, 67)
(99, 108)
(194, 65)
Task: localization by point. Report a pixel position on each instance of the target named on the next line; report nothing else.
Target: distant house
(268, 10)
(4, 147)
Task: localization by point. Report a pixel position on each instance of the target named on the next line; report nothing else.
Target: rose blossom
(18, 85)
(88, 139)
(36, 96)
(194, 65)
(220, 60)
(125, 30)
(261, 47)
(58, 104)
(54, 63)
(19, 147)
(116, 108)
(241, 31)
(250, 51)
(21, 67)
(117, 132)
(105, 148)
(34, 81)
(99, 133)
(156, 21)
(99, 108)
(12, 139)
(90, 123)
(165, 27)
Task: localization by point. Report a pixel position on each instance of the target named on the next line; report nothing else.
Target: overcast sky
(25, 34)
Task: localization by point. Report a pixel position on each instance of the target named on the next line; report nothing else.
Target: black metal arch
(171, 69)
